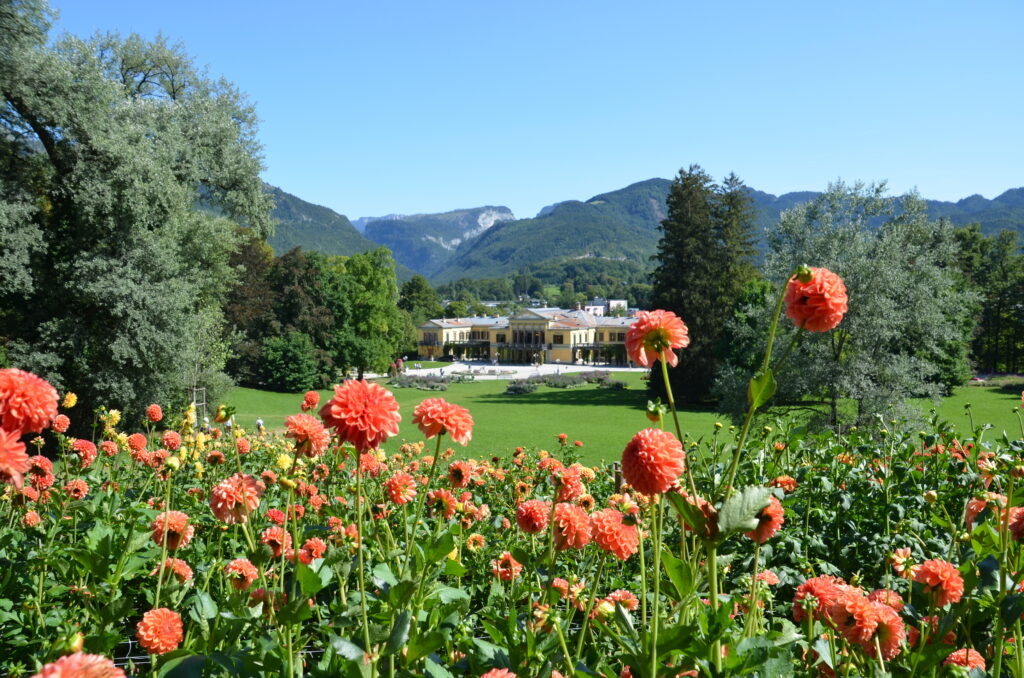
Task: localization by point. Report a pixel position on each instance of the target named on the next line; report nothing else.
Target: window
(500, 339)
(622, 336)
(600, 336)
(559, 339)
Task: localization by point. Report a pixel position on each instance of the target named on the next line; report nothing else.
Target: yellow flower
(200, 441)
(284, 461)
(199, 470)
(113, 418)
(454, 555)
(70, 400)
(122, 440)
(190, 414)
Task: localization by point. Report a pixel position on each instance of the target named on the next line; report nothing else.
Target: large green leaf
(739, 512)
(399, 633)
(761, 388)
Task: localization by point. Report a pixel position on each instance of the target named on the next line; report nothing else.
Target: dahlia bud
(964, 537)
(931, 496)
(605, 609)
(853, 429)
(1018, 471)
(718, 426)
(804, 274)
(287, 482)
(76, 642)
(172, 463)
(766, 430)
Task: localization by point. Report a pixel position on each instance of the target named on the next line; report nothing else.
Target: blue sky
(400, 107)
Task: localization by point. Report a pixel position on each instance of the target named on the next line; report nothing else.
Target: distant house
(601, 307)
(534, 335)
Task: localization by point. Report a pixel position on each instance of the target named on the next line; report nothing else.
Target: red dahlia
(819, 304)
(652, 461)
(362, 413)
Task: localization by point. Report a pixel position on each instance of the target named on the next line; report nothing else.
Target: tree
(704, 257)
(994, 267)
(371, 335)
(909, 318)
(289, 363)
(419, 300)
(106, 147)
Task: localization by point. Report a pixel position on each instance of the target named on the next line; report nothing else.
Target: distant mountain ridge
(620, 225)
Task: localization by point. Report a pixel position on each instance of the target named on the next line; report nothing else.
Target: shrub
(520, 386)
(595, 376)
(564, 380)
(613, 384)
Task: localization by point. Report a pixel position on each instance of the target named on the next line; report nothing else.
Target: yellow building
(542, 335)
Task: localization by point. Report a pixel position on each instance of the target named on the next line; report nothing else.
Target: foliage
(908, 318)
(107, 144)
(417, 298)
(289, 363)
(994, 267)
(520, 387)
(704, 258)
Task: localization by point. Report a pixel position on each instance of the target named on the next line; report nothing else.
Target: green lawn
(604, 420)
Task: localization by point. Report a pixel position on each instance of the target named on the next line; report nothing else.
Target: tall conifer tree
(705, 255)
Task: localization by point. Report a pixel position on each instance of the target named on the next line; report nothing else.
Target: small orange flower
(400, 488)
(572, 527)
(532, 515)
(179, 567)
(652, 461)
(819, 304)
(310, 401)
(967, 657)
(655, 333)
(769, 520)
(311, 438)
(362, 413)
(241, 573)
(612, 534)
(172, 526)
(81, 665)
(234, 498)
(154, 413)
(505, 567)
(435, 416)
(160, 631)
(942, 580)
(277, 539)
(786, 483)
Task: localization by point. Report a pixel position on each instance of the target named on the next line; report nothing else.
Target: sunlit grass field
(602, 419)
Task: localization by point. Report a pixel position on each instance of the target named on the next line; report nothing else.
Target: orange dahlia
(505, 567)
(613, 534)
(854, 616)
(400, 488)
(572, 527)
(310, 401)
(362, 413)
(160, 631)
(172, 526)
(31, 519)
(655, 333)
(242, 573)
(154, 413)
(171, 440)
(652, 461)
(312, 549)
(182, 572)
(460, 473)
(441, 502)
(137, 442)
(311, 438)
(235, 497)
(819, 304)
(14, 461)
(890, 632)
(77, 488)
(1017, 523)
(786, 483)
(532, 515)
(435, 416)
(86, 451)
(624, 598)
(80, 665)
(967, 657)
(769, 520)
(27, 403)
(61, 423)
(568, 484)
(277, 539)
(941, 580)
(821, 592)
(887, 597)
(498, 673)
(40, 470)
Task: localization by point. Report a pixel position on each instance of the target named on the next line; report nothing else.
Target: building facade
(532, 336)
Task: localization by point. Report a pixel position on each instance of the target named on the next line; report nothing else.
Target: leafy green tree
(289, 363)
(375, 330)
(419, 300)
(908, 321)
(106, 147)
(704, 256)
(994, 266)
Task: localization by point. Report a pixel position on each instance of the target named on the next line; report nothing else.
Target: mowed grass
(602, 419)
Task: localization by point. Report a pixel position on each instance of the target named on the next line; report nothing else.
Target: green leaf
(311, 582)
(383, 578)
(435, 670)
(454, 568)
(439, 549)
(692, 516)
(761, 388)
(739, 512)
(821, 647)
(679, 573)
(295, 611)
(347, 649)
(422, 645)
(450, 595)
(186, 666)
(399, 633)
(205, 607)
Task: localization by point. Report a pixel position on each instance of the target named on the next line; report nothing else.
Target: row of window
(431, 338)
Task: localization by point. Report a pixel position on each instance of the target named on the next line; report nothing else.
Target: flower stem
(420, 502)
(675, 415)
(655, 603)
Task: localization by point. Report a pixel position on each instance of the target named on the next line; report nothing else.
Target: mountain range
(487, 242)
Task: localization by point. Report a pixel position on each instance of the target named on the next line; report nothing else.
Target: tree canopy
(111, 277)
